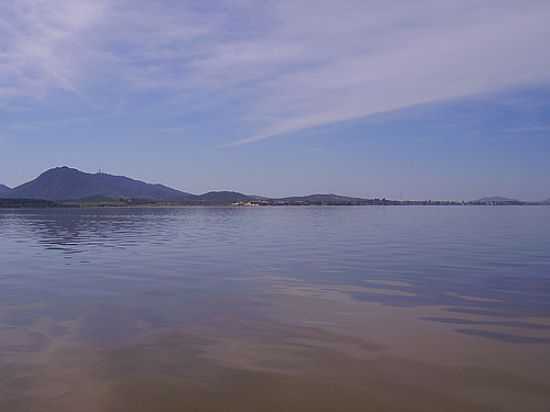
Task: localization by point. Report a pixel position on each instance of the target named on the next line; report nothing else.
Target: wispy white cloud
(41, 45)
(292, 64)
(421, 55)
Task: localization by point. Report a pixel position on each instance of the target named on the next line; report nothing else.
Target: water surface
(286, 308)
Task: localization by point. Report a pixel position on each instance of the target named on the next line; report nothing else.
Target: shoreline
(231, 206)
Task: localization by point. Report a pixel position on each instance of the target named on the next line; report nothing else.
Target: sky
(431, 99)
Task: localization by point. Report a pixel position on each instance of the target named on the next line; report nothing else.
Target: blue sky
(426, 99)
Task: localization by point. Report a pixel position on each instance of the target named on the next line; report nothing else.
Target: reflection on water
(491, 261)
(195, 298)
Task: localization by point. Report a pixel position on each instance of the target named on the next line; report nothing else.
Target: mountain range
(68, 184)
(65, 184)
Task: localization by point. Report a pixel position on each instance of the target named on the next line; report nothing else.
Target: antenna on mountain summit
(99, 171)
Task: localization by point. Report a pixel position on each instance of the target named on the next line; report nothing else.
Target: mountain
(64, 183)
(4, 191)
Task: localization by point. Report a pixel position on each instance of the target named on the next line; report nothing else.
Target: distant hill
(224, 197)
(64, 183)
(327, 199)
(4, 191)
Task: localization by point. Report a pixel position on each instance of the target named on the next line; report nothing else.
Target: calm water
(328, 308)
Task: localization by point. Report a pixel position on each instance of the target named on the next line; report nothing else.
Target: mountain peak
(61, 169)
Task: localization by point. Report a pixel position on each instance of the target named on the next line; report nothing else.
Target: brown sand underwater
(307, 349)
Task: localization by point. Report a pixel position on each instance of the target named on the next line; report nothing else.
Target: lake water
(275, 309)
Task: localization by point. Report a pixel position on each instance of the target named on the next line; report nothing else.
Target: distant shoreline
(141, 204)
